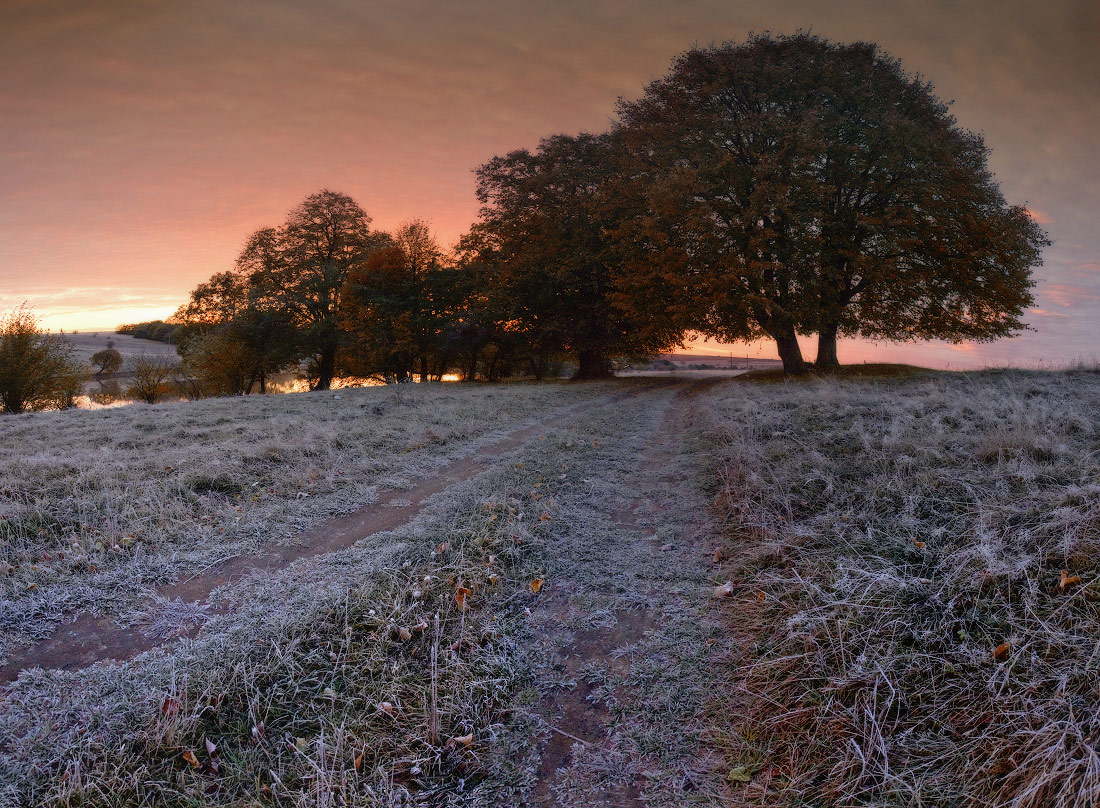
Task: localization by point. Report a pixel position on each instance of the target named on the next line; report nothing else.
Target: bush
(37, 369)
(152, 375)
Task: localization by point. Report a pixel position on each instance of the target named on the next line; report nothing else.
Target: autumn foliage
(781, 187)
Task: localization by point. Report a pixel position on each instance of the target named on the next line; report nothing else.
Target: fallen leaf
(536, 585)
(462, 595)
(403, 633)
(724, 591)
(718, 555)
(760, 595)
(189, 756)
(358, 761)
(739, 775)
(920, 545)
(210, 746)
(493, 577)
(545, 517)
(421, 626)
(1066, 579)
(463, 740)
(444, 547)
(1001, 650)
(170, 706)
(388, 709)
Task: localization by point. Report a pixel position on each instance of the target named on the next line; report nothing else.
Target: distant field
(85, 344)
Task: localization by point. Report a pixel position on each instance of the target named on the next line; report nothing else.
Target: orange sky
(142, 140)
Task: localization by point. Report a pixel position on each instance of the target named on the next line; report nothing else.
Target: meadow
(875, 590)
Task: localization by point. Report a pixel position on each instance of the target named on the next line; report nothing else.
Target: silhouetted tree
(546, 229)
(321, 240)
(397, 306)
(796, 185)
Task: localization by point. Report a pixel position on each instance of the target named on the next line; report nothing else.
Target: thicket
(156, 330)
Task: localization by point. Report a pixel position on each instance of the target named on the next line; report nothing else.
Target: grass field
(855, 591)
(98, 507)
(916, 590)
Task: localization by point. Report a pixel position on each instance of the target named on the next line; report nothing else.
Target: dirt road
(609, 665)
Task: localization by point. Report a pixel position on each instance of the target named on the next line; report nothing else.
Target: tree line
(785, 186)
(780, 187)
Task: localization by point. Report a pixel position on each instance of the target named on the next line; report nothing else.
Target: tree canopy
(547, 229)
(798, 186)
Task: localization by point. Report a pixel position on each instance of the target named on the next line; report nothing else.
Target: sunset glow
(143, 142)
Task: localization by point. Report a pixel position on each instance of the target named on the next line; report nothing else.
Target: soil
(578, 719)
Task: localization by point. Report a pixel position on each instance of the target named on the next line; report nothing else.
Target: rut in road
(632, 647)
(89, 639)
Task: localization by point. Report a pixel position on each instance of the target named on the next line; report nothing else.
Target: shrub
(37, 370)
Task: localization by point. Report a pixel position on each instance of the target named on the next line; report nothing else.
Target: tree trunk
(263, 383)
(592, 365)
(789, 351)
(826, 347)
(326, 367)
(424, 376)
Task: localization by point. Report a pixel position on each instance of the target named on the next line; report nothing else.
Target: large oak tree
(798, 186)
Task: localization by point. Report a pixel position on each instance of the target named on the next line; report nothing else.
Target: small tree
(37, 369)
(107, 361)
(151, 376)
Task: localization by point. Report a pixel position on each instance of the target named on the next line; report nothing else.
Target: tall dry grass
(916, 589)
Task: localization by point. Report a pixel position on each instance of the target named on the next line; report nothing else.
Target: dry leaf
(388, 709)
(189, 756)
(358, 761)
(1001, 650)
(170, 706)
(421, 626)
(444, 547)
(462, 595)
(464, 740)
(493, 578)
(545, 517)
(718, 555)
(402, 633)
(536, 585)
(920, 545)
(210, 746)
(1066, 579)
(724, 591)
(760, 595)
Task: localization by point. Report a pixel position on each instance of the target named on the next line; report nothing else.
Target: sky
(141, 141)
